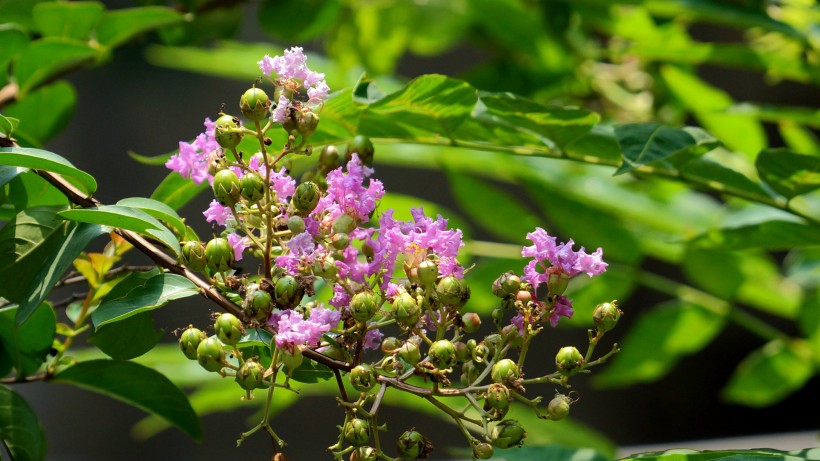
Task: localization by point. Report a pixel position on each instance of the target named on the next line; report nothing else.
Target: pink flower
(293, 330)
(191, 161)
(347, 194)
(238, 243)
(547, 253)
(217, 213)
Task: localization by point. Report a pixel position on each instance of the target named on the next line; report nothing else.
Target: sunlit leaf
(71, 20)
(769, 374)
(176, 191)
(46, 58)
(44, 160)
(118, 26)
(141, 292)
(125, 217)
(757, 454)
(772, 235)
(158, 210)
(43, 113)
(788, 173)
(652, 144)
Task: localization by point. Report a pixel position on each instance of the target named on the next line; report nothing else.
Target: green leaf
(125, 217)
(310, 372)
(659, 338)
(228, 59)
(28, 190)
(552, 453)
(48, 58)
(430, 105)
(306, 19)
(44, 160)
(489, 205)
(135, 385)
(650, 144)
(721, 178)
(158, 210)
(157, 160)
(43, 113)
(141, 293)
(7, 173)
(256, 337)
(770, 235)
(596, 146)
(755, 454)
(20, 430)
(769, 374)
(75, 242)
(71, 20)
(176, 191)
(788, 173)
(119, 26)
(26, 245)
(13, 39)
(127, 338)
(27, 345)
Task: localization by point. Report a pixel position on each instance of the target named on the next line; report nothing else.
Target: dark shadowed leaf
(128, 338)
(756, 454)
(27, 345)
(141, 292)
(43, 113)
(788, 173)
(20, 430)
(176, 191)
(770, 235)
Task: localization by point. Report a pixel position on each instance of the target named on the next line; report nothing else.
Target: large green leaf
(788, 173)
(39, 159)
(43, 113)
(125, 217)
(551, 453)
(28, 190)
(27, 243)
(127, 338)
(20, 430)
(47, 58)
(121, 25)
(770, 374)
(659, 338)
(176, 191)
(306, 19)
(755, 454)
(310, 372)
(75, 242)
(139, 293)
(13, 39)
(721, 178)
(228, 59)
(71, 20)
(654, 144)
(27, 345)
(770, 235)
(135, 385)
(158, 210)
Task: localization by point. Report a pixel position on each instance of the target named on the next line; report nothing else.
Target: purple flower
(280, 114)
(217, 213)
(239, 243)
(341, 298)
(346, 193)
(518, 321)
(293, 65)
(300, 250)
(373, 339)
(193, 158)
(551, 256)
(562, 307)
(293, 330)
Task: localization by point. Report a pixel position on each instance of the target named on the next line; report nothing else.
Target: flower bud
(493, 342)
(504, 370)
(258, 304)
(328, 159)
(443, 354)
(480, 353)
(254, 104)
(364, 305)
(193, 255)
(427, 273)
(507, 284)
(306, 197)
(483, 450)
(356, 432)
(219, 255)
(410, 353)
(511, 335)
(413, 445)
(524, 297)
(340, 240)
(287, 292)
(325, 267)
(226, 131)
(558, 408)
(226, 187)
(508, 433)
(498, 396)
(252, 187)
(362, 146)
(452, 291)
(364, 454)
(569, 360)
(210, 354)
(469, 373)
(296, 225)
(291, 358)
(307, 122)
(406, 310)
(606, 316)
(344, 223)
(557, 282)
(249, 375)
(228, 328)
(472, 322)
(463, 353)
(390, 344)
(362, 377)
(189, 341)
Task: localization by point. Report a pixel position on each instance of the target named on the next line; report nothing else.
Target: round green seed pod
(362, 377)
(443, 354)
(412, 445)
(252, 187)
(504, 370)
(569, 360)
(210, 354)
(219, 255)
(306, 197)
(192, 255)
(227, 188)
(558, 408)
(254, 104)
(228, 328)
(226, 131)
(508, 433)
(250, 375)
(356, 432)
(189, 341)
(364, 305)
(363, 147)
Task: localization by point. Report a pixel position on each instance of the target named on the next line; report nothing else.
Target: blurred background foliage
(713, 239)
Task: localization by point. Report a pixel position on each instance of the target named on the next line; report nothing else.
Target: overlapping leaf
(125, 217)
(44, 160)
(141, 292)
(20, 430)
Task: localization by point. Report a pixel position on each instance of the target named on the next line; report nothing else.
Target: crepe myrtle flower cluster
(330, 284)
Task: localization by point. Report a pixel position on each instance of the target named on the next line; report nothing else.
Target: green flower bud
(482, 450)
(340, 241)
(325, 267)
(452, 291)
(480, 353)
(493, 342)
(427, 273)
(287, 292)
(557, 282)
(362, 146)
(362, 377)
(328, 159)
(410, 353)
(356, 432)
(193, 255)
(307, 122)
(364, 454)
(558, 408)
(508, 433)
(469, 373)
(228, 328)
(472, 322)
(507, 284)
(252, 187)
(498, 396)
(443, 354)
(254, 104)
(226, 131)
(463, 353)
(364, 305)
(497, 315)
(390, 344)
(606, 316)
(189, 341)
(306, 197)
(511, 335)
(258, 304)
(504, 370)
(219, 255)
(569, 360)
(344, 224)
(296, 225)
(250, 374)
(226, 187)
(406, 310)
(413, 445)
(210, 354)
(291, 358)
